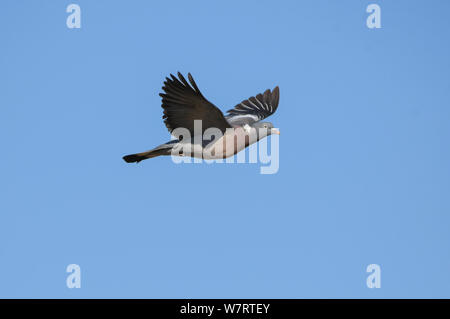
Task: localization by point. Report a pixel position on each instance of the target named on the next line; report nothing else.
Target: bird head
(265, 129)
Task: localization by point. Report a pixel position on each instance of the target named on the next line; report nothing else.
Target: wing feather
(255, 108)
(183, 103)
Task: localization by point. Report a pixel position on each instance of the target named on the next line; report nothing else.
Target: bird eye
(265, 126)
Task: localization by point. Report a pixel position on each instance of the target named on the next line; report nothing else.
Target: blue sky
(364, 159)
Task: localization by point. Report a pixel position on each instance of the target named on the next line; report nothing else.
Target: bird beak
(275, 131)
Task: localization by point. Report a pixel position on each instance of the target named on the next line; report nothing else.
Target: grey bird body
(219, 136)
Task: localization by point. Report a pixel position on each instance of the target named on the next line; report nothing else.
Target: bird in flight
(201, 130)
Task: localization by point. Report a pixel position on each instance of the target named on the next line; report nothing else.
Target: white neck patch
(247, 128)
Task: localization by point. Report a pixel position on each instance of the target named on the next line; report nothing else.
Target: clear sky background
(364, 153)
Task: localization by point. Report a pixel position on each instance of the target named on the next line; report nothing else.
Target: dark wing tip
(181, 77)
(194, 85)
(275, 97)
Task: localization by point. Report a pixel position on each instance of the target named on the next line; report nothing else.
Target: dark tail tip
(133, 158)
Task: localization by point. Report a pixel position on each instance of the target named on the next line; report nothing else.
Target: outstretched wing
(184, 103)
(255, 108)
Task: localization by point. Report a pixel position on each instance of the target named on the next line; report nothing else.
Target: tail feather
(159, 151)
(134, 158)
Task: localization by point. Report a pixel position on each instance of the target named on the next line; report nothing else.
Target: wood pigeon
(201, 130)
